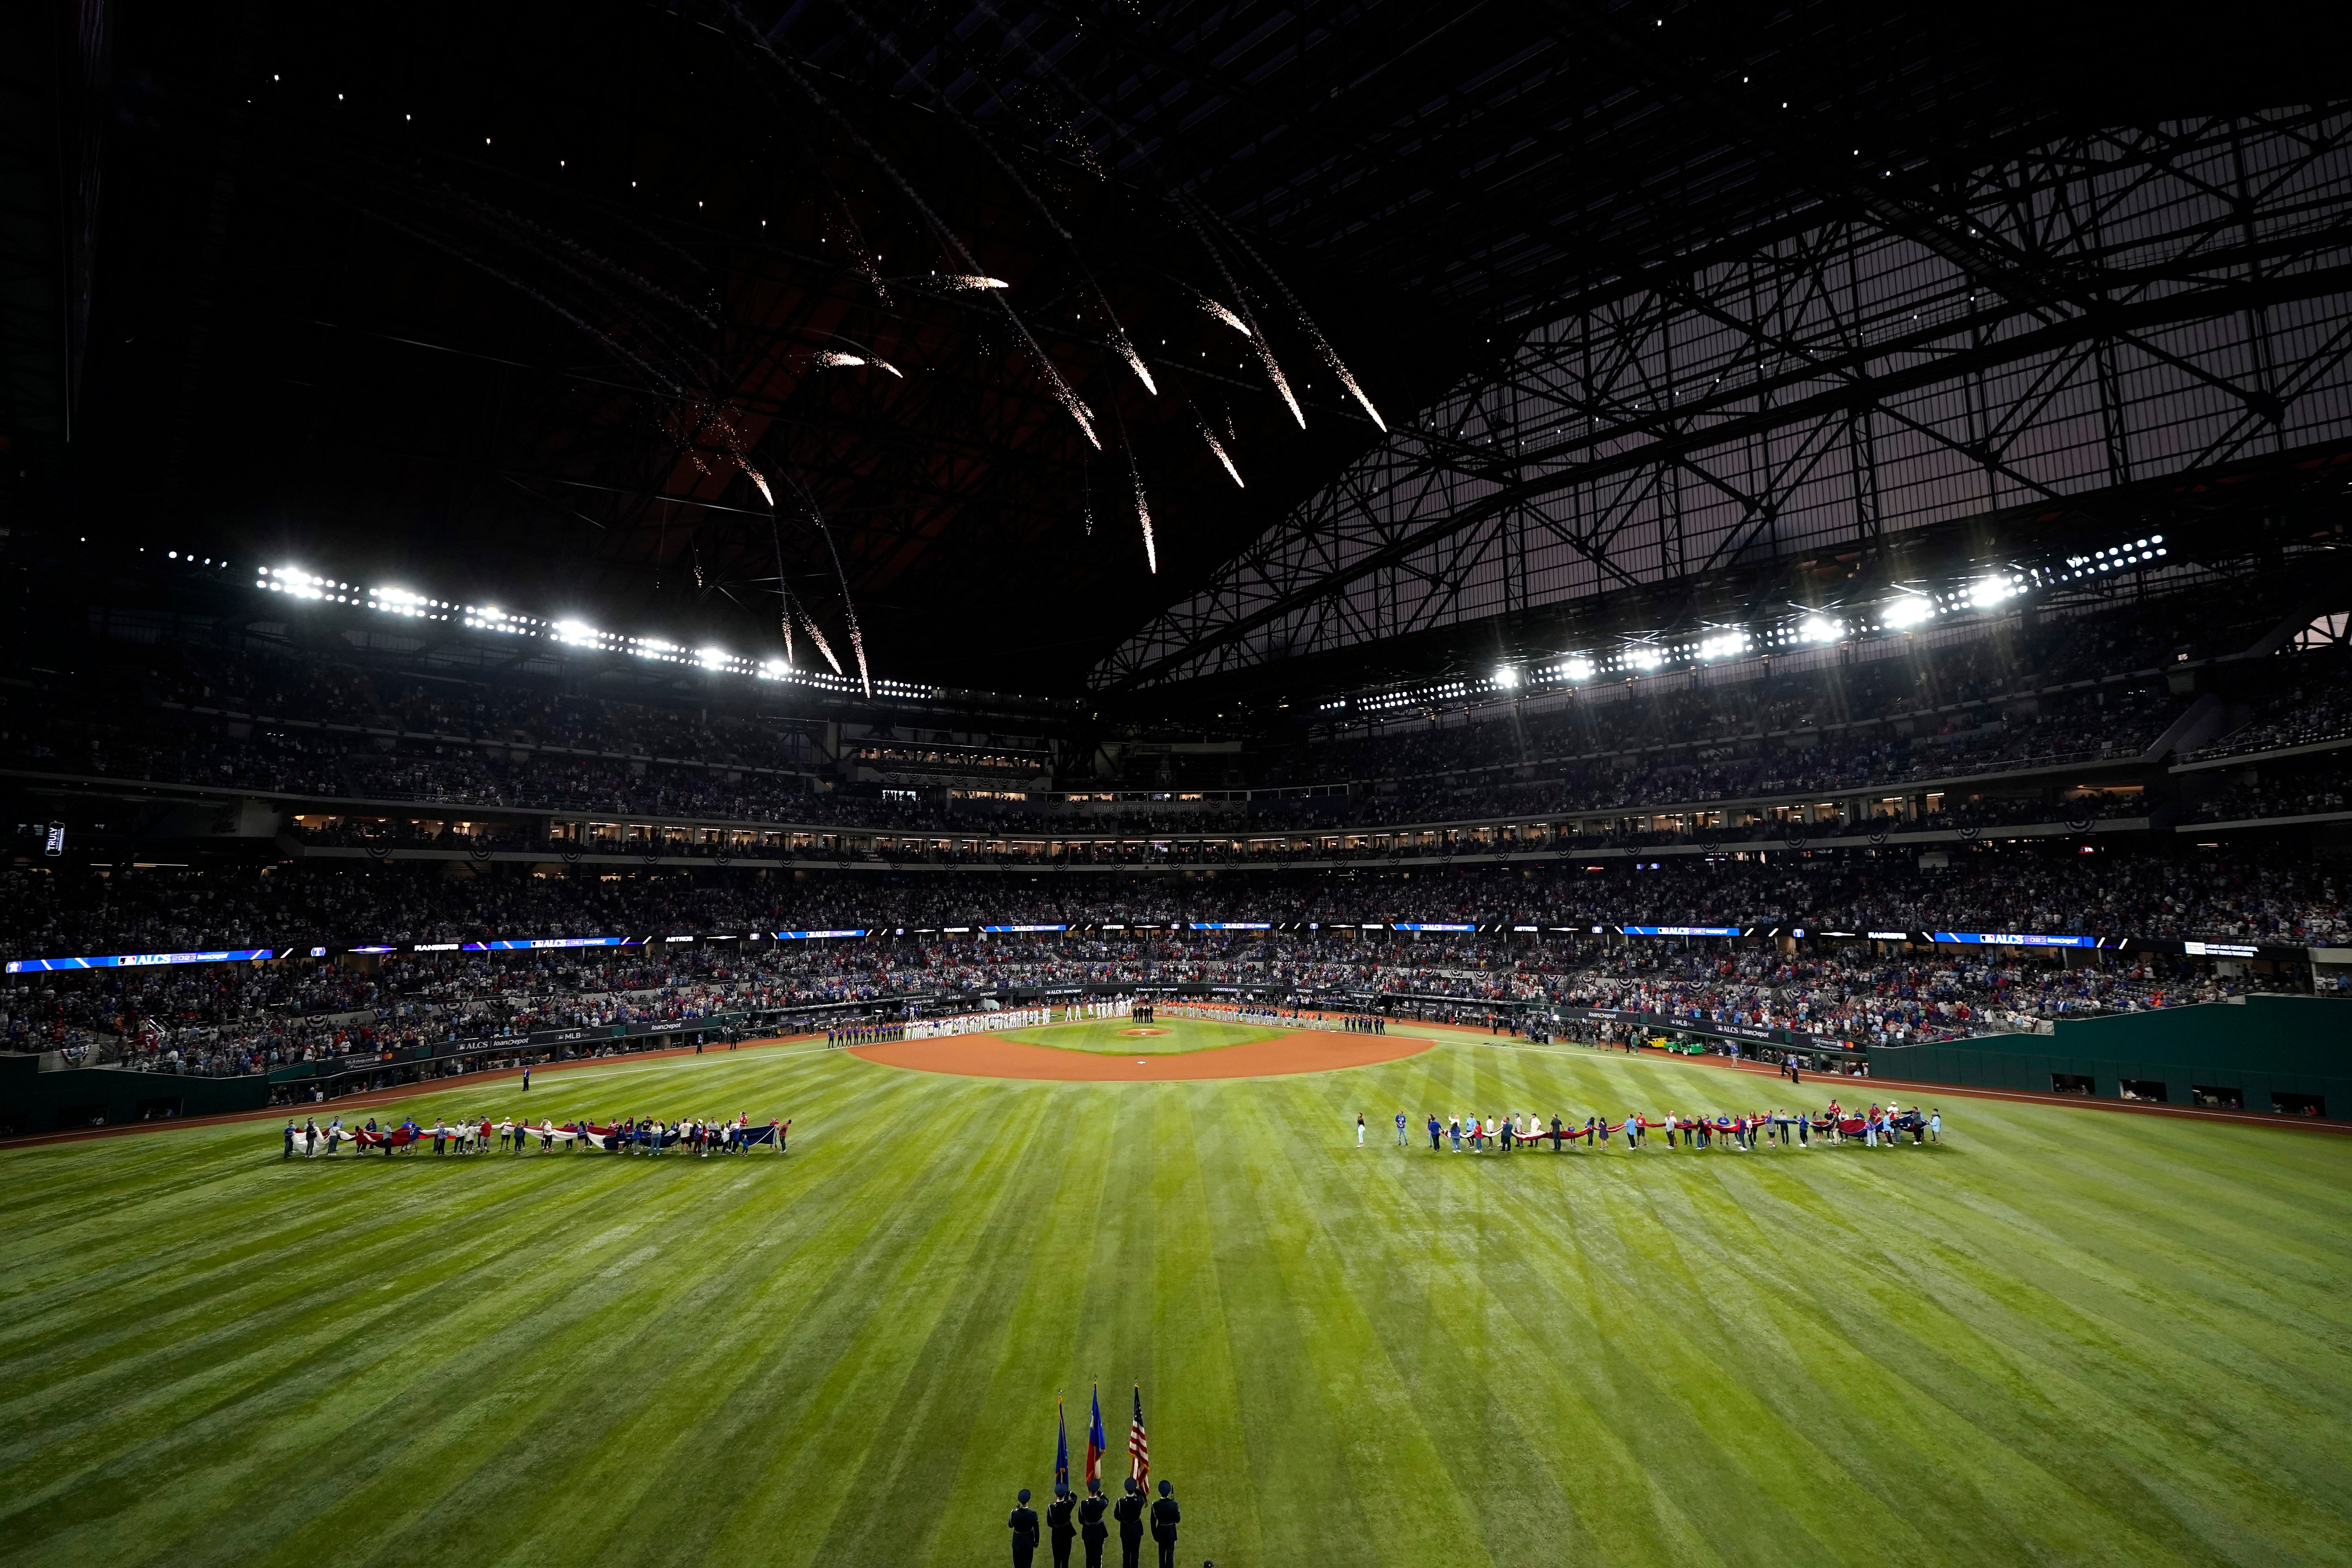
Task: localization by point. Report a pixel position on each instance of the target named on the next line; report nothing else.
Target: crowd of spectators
(239, 1018)
(2315, 708)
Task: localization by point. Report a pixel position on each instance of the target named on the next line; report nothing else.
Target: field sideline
(2060, 1337)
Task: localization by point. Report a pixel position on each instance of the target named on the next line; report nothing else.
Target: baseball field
(2061, 1336)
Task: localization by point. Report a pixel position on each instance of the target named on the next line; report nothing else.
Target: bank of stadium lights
(1905, 611)
(2116, 558)
(297, 584)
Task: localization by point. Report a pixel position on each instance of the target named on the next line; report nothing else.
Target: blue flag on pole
(1061, 1449)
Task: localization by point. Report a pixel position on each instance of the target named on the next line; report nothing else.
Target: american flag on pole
(1139, 1446)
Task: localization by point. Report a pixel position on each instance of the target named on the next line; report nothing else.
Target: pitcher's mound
(993, 1056)
(1142, 1032)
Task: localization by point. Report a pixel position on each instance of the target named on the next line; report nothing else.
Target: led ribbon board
(2012, 938)
(1679, 931)
(999, 931)
(805, 935)
(141, 960)
(1429, 925)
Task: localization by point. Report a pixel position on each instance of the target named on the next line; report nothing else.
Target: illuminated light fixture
(1908, 611)
(712, 657)
(1991, 591)
(1506, 676)
(1724, 645)
(579, 634)
(1645, 657)
(1820, 628)
(1578, 669)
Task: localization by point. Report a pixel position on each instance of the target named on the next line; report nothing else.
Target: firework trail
(1143, 513)
(1218, 310)
(1118, 337)
(1219, 449)
(1071, 403)
(848, 606)
(1245, 322)
(1248, 321)
(1331, 355)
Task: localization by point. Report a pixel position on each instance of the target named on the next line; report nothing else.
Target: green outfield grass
(2066, 1336)
(1102, 1036)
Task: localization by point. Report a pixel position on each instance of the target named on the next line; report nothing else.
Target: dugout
(2289, 1055)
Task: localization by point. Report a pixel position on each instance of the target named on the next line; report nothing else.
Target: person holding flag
(1058, 1528)
(1138, 1447)
(1091, 1529)
(1095, 1444)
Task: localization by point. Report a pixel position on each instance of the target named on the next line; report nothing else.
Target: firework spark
(1219, 449)
(1134, 360)
(826, 359)
(1281, 382)
(1226, 316)
(1348, 381)
(1143, 516)
(816, 635)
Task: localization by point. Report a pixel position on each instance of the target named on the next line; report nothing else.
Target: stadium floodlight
(579, 634)
(1578, 669)
(1506, 676)
(712, 657)
(1820, 628)
(398, 601)
(1908, 611)
(1645, 657)
(1724, 645)
(1991, 591)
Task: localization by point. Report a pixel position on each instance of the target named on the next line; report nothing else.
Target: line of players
(469, 1136)
(1879, 1127)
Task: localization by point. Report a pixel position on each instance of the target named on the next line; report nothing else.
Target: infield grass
(1105, 1036)
(2065, 1336)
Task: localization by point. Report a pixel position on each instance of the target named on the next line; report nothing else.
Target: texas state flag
(1095, 1439)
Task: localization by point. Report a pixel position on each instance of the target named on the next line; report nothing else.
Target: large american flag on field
(1139, 1446)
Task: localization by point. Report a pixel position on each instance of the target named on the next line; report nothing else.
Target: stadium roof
(527, 303)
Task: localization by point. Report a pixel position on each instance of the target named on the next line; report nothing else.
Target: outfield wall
(2260, 1048)
(32, 1101)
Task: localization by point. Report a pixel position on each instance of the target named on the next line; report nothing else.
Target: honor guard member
(1091, 1529)
(1059, 1528)
(1129, 1511)
(1024, 1525)
(1164, 1517)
